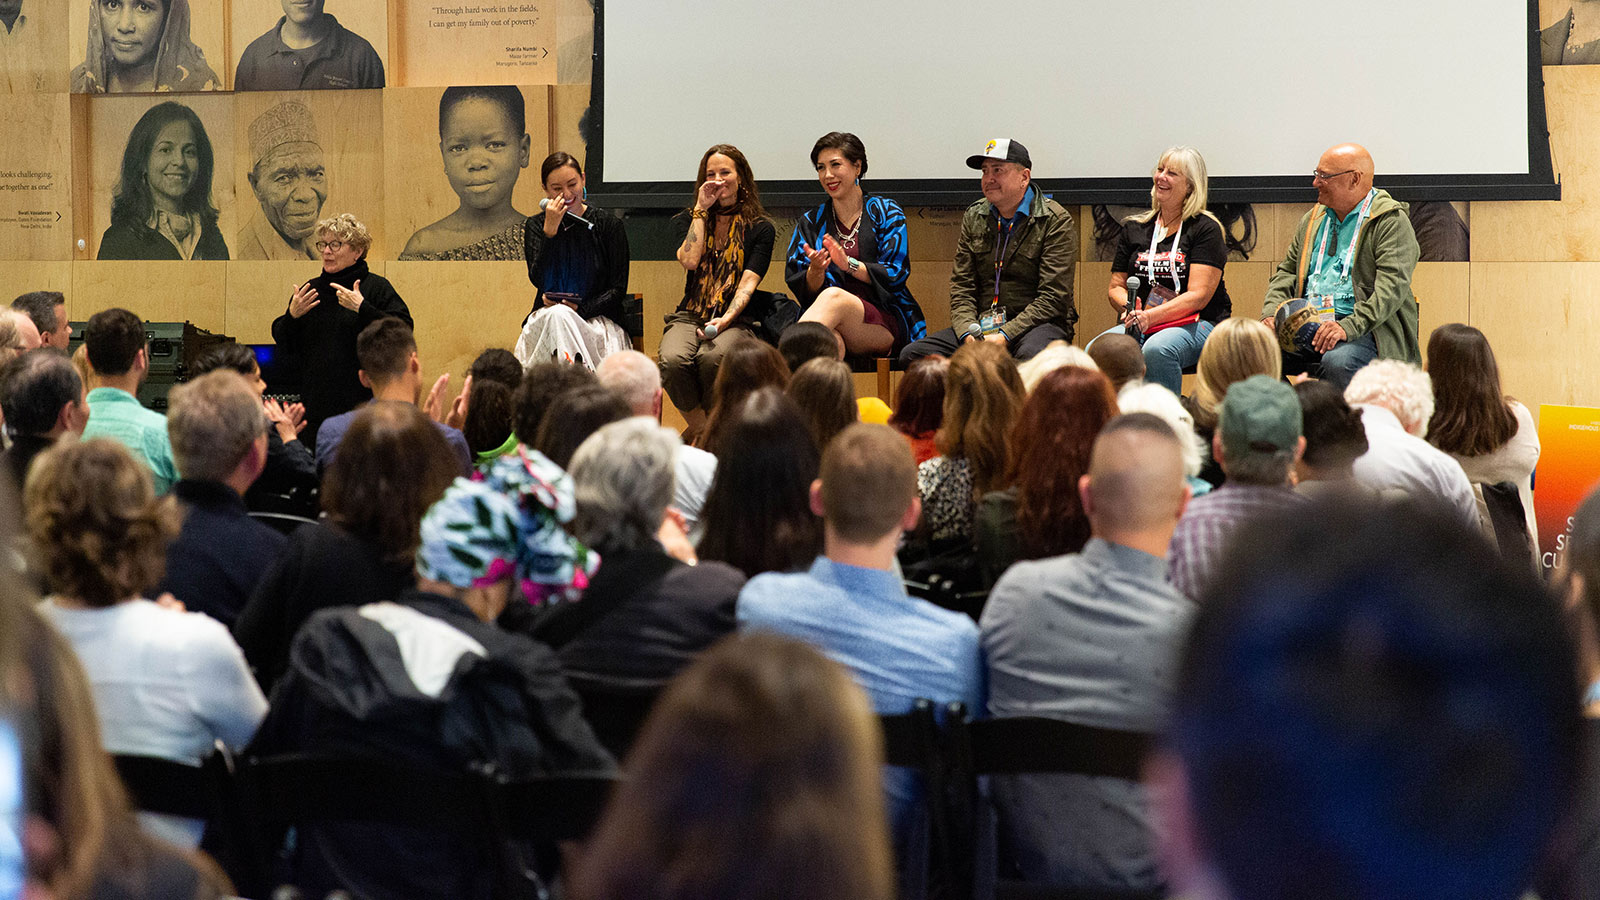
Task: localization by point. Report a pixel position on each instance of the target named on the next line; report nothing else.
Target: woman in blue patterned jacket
(847, 261)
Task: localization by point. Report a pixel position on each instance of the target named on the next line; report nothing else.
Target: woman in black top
(726, 249)
(162, 207)
(318, 331)
(578, 260)
(1177, 252)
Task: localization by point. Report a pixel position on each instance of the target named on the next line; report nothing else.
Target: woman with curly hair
(983, 394)
(1041, 514)
(167, 683)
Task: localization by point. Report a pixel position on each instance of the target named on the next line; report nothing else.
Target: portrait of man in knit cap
(290, 179)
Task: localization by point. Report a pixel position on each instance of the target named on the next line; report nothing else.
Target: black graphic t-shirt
(1201, 244)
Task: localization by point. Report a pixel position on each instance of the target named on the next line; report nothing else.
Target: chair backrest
(615, 713)
(176, 789)
(283, 523)
(911, 739)
(1029, 744)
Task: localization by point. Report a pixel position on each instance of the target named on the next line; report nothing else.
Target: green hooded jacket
(1386, 255)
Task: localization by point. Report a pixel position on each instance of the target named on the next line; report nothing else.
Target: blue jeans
(1338, 365)
(1167, 351)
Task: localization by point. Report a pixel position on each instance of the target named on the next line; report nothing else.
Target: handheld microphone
(709, 330)
(974, 331)
(545, 203)
(1134, 283)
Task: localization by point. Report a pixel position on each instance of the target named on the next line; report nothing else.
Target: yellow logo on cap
(989, 148)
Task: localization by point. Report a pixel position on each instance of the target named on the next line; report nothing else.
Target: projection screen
(1447, 94)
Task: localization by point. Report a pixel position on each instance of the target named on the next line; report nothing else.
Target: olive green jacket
(1386, 255)
(1036, 280)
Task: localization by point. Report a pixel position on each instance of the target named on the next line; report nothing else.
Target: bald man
(1354, 251)
(1093, 638)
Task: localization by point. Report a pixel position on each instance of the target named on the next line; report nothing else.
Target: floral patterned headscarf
(506, 521)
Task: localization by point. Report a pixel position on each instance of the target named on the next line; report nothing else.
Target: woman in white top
(167, 683)
(1490, 434)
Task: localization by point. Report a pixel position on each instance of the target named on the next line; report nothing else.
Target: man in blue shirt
(387, 351)
(116, 341)
(852, 605)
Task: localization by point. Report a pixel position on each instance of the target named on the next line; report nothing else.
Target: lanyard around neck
(1004, 229)
(1172, 260)
(1349, 258)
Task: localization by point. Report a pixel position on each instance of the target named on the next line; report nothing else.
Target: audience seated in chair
(755, 777)
(852, 605)
(1335, 439)
(426, 681)
(219, 438)
(291, 470)
(389, 367)
(487, 421)
(646, 613)
(637, 379)
(364, 551)
(1369, 704)
(41, 400)
(746, 368)
(1168, 407)
(1120, 358)
(573, 416)
(1395, 400)
(824, 393)
(117, 348)
(919, 405)
(982, 398)
(1092, 638)
(167, 683)
(1236, 349)
(1258, 440)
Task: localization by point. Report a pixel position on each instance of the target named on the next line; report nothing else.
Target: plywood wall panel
(461, 309)
(37, 60)
(1543, 322)
(568, 104)
(36, 213)
(1564, 230)
(1442, 295)
(156, 291)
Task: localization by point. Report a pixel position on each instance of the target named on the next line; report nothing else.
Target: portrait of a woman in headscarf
(141, 45)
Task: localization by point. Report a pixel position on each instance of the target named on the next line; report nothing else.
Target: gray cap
(1259, 415)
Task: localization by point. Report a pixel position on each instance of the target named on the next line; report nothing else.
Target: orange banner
(1569, 467)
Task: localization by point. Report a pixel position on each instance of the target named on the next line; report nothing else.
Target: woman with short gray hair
(646, 613)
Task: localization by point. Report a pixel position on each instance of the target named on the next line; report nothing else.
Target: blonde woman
(1177, 251)
(1237, 349)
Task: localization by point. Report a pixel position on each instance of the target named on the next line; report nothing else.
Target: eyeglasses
(1320, 176)
(335, 246)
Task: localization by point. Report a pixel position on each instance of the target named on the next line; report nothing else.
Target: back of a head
(1165, 405)
(33, 389)
(40, 306)
(1050, 447)
(213, 422)
(541, 384)
(1397, 386)
(384, 349)
(1136, 476)
(1055, 355)
(919, 400)
(1580, 567)
(1470, 416)
(622, 478)
(804, 341)
(982, 396)
(1235, 350)
(233, 357)
(113, 338)
(574, 416)
(97, 528)
(746, 368)
(1373, 705)
(498, 365)
(489, 415)
(11, 344)
(869, 479)
(757, 513)
(392, 465)
(826, 395)
(1119, 357)
(1260, 428)
(756, 777)
(635, 377)
(1335, 437)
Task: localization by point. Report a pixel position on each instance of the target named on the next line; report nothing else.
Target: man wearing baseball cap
(1012, 278)
(1258, 439)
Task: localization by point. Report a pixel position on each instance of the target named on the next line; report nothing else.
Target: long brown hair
(749, 199)
(1470, 415)
(982, 395)
(919, 400)
(826, 396)
(756, 777)
(1050, 449)
(391, 466)
(747, 367)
